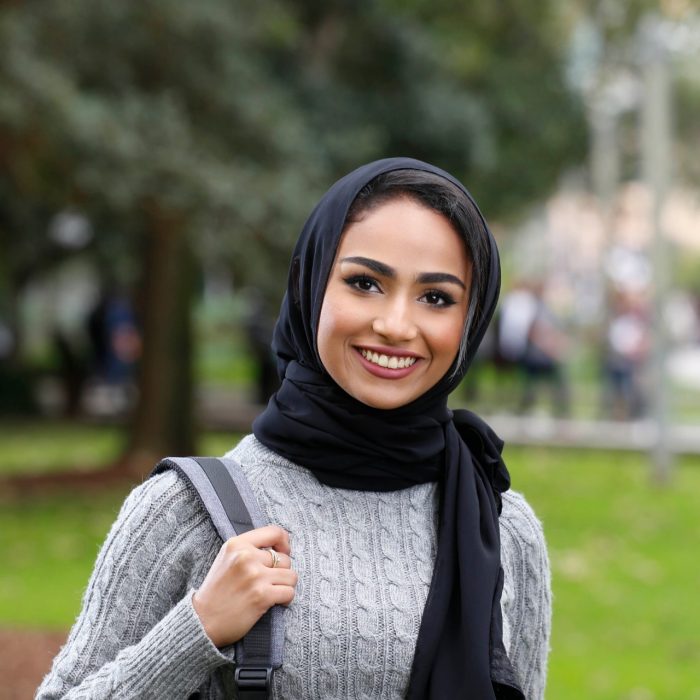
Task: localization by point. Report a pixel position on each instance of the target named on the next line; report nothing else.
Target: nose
(395, 322)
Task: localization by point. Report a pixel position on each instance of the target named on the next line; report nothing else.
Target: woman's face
(395, 305)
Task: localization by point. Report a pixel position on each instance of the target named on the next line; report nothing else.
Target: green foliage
(687, 89)
(238, 115)
(114, 108)
(616, 44)
(222, 122)
(687, 275)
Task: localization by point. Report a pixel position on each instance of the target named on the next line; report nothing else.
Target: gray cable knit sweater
(364, 561)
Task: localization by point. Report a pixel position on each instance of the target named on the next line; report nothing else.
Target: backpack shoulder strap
(224, 492)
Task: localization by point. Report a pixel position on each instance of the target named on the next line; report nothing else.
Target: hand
(241, 585)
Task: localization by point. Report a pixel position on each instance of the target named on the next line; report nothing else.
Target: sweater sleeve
(137, 635)
(526, 599)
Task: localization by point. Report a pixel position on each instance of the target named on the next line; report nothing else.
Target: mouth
(388, 361)
(388, 365)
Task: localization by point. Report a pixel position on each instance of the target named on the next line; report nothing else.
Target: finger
(282, 595)
(267, 536)
(282, 577)
(284, 561)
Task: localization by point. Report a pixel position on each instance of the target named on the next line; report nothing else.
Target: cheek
(339, 318)
(446, 339)
(325, 325)
(330, 331)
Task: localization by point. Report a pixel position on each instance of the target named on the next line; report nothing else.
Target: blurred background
(157, 160)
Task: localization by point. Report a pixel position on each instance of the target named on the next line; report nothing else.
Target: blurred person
(72, 370)
(408, 567)
(516, 315)
(530, 338)
(542, 360)
(115, 338)
(626, 349)
(115, 342)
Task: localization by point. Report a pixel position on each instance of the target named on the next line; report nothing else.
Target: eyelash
(443, 298)
(356, 280)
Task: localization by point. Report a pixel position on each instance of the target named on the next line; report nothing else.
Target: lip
(385, 372)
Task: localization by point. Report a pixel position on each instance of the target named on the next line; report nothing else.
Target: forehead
(406, 234)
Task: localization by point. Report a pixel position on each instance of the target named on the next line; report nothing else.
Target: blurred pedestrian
(626, 350)
(115, 338)
(115, 342)
(530, 336)
(72, 370)
(516, 315)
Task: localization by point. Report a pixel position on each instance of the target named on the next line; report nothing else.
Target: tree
(152, 118)
(197, 131)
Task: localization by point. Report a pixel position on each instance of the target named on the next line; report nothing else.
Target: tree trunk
(163, 420)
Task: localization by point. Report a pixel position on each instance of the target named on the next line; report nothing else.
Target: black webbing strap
(227, 492)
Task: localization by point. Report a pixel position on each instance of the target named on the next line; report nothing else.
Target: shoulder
(263, 467)
(159, 548)
(523, 545)
(159, 545)
(165, 496)
(526, 598)
(161, 515)
(518, 521)
(251, 452)
(527, 579)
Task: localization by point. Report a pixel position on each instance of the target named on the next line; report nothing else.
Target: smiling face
(395, 305)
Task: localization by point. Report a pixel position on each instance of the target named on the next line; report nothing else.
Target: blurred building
(581, 253)
(589, 257)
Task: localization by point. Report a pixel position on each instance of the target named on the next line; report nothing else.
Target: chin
(382, 402)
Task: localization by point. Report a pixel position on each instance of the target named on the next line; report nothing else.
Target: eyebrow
(386, 271)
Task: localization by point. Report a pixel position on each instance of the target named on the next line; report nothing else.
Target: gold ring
(275, 557)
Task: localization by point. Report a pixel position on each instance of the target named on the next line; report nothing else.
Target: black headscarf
(347, 444)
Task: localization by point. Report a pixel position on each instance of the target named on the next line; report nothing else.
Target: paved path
(633, 435)
(25, 657)
(229, 411)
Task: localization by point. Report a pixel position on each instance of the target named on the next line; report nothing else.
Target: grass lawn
(48, 546)
(33, 447)
(36, 447)
(623, 558)
(624, 563)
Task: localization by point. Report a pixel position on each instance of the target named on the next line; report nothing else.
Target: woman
(401, 579)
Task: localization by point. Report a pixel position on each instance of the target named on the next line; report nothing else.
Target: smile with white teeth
(392, 362)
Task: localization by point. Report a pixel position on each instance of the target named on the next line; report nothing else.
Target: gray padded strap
(205, 491)
(273, 619)
(227, 496)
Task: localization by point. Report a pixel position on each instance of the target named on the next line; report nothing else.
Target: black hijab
(347, 444)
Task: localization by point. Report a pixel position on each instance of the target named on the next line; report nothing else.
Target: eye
(436, 297)
(362, 283)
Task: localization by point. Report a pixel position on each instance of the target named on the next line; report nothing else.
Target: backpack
(224, 492)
